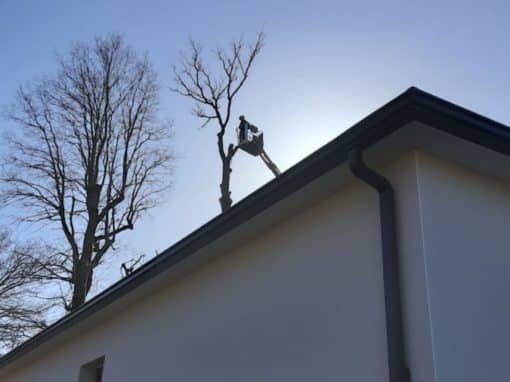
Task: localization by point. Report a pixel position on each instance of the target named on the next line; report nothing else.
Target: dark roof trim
(412, 105)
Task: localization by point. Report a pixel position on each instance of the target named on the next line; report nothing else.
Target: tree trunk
(79, 288)
(82, 280)
(225, 199)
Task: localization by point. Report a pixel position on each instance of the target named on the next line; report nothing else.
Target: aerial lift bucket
(251, 140)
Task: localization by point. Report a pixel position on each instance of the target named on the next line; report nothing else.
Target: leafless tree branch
(21, 311)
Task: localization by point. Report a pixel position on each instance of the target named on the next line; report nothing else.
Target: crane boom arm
(269, 163)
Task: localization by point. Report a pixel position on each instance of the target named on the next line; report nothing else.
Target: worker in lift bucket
(246, 131)
(251, 140)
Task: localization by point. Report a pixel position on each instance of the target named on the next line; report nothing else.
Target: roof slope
(412, 105)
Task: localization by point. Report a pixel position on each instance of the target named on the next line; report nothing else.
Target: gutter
(398, 371)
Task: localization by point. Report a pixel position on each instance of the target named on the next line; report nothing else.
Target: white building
(289, 285)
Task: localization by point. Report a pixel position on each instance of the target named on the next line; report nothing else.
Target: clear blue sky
(326, 64)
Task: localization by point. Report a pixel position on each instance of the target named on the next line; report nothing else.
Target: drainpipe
(398, 372)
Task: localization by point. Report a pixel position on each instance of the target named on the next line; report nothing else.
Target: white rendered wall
(466, 230)
(417, 331)
(303, 303)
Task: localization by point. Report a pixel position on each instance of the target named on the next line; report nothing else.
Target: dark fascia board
(412, 105)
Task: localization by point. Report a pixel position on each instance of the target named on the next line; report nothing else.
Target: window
(92, 371)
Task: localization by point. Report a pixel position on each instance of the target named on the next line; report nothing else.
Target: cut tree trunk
(225, 199)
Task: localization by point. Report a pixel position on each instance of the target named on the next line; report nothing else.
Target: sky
(325, 65)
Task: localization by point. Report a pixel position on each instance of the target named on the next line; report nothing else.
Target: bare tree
(91, 155)
(214, 94)
(21, 310)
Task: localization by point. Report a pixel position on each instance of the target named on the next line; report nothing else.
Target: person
(251, 140)
(244, 130)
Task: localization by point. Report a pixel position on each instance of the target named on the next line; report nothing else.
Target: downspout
(398, 372)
